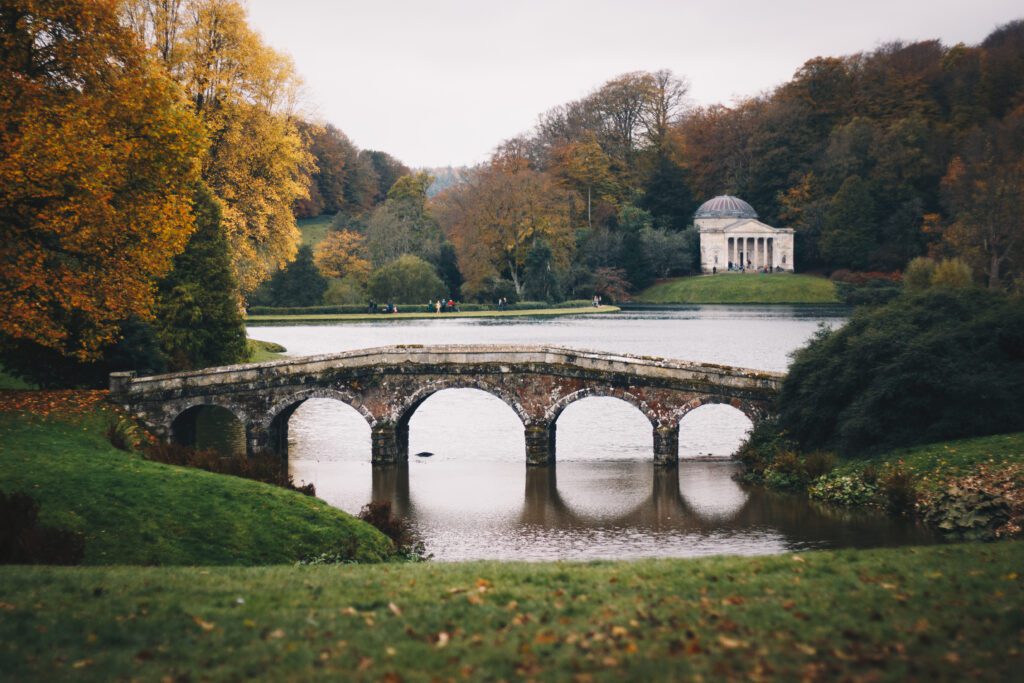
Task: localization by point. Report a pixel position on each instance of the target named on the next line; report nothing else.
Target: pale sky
(439, 82)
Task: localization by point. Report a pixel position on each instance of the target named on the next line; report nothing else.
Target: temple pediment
(751, 227)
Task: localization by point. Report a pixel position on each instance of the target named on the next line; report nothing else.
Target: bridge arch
(556, 408)
(404, 411)
(287, 405)
(182, 426)
(272, 427)
(753, 413)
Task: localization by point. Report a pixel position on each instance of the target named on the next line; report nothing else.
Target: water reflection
(606, 510)
(474, 498)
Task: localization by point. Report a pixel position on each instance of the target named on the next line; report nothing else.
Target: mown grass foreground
(742, 288)
(133, 511)
(385, 317)
(940, 612)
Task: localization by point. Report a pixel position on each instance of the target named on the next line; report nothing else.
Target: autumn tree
(403, 224)
(342, 254)
(97, 164)
(495, 217)
(336, 164)
(245, 94)
(984, 193)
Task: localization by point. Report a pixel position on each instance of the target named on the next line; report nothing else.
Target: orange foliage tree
(498, 214)
(98, 158)
(342, 253)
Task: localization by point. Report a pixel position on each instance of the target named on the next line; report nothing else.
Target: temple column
(666, 446)
(540, 444)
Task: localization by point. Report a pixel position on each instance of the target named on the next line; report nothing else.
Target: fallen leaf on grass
(81, 664)
(394, 609)
(442, 639)
(731, 643)
(205, 625)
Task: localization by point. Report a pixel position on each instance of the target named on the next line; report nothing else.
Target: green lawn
(133, 511)
(742, 288)
(261, 351)
(314, 229)
(927, 613)
(382, 317)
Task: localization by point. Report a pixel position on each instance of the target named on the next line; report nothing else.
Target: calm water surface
(474, 498)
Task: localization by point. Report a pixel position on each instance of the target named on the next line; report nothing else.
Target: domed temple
(732, 238)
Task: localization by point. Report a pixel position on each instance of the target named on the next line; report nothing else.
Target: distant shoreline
(386, 317)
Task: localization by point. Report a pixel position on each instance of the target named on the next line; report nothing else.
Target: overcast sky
(439, 82)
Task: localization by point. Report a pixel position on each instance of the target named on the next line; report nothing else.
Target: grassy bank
(384, 317)
(742, 288)
(970, 488)
(133, 511)
(941, 612)
(314, 229)
(260, 351)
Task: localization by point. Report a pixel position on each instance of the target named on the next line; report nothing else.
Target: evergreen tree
(198, 318)
(299, 284)
(448, 270)
(667, 194)
(540, 281)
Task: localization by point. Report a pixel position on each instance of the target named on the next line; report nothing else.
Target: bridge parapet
(387, 384)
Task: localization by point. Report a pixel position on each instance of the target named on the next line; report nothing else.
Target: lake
(469, 495)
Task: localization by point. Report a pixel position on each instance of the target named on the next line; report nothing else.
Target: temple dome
(725, 206)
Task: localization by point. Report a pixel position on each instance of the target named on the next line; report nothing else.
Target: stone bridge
(387, 384)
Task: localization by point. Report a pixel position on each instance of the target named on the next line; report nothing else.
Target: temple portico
(732, 238)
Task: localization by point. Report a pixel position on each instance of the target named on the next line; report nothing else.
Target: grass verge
(939, 612)
(742, 288)
(384, 317)
(133, 511)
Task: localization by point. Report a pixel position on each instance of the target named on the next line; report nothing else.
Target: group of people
(443, 306)
(597, 300)
(741, 268)
(502, 304)
(386, 308)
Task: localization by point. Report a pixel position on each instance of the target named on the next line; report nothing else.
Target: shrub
(843, 489)
(397, 529)
(952, 272)
(918, 275)
(898, 487)
(939, 365)
(23, 541)
(124, 434)
(818, 463)
(968, 513)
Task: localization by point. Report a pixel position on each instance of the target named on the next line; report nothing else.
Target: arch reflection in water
(713, 429)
